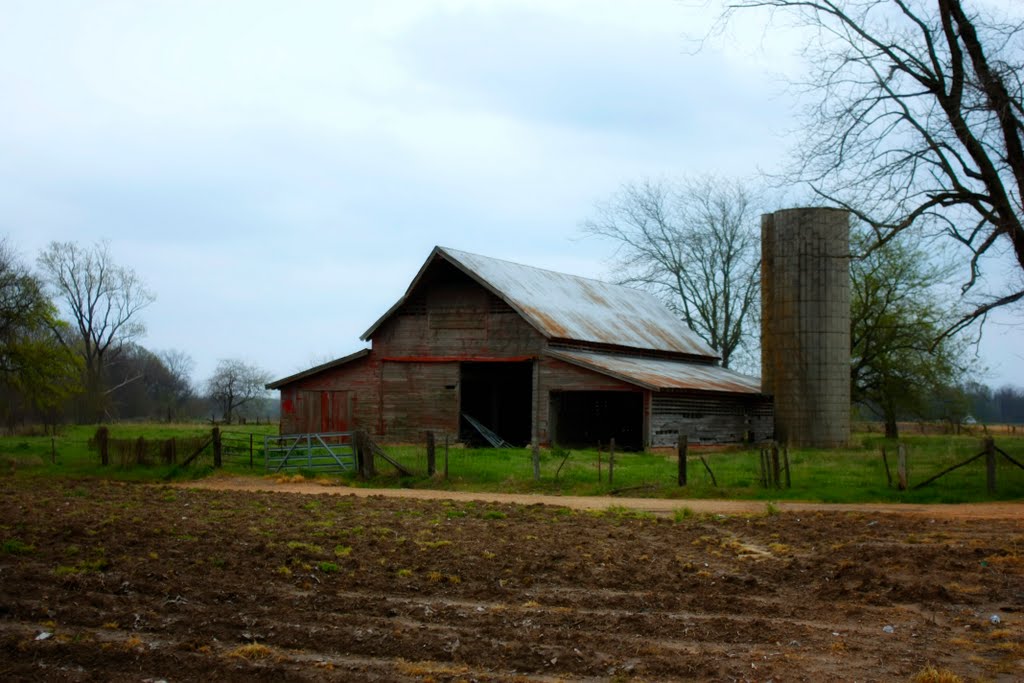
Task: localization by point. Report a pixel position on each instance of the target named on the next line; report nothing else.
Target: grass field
(854, 474)
(70, 453)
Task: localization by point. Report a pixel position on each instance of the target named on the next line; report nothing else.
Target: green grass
(68, 453)
(851, 475)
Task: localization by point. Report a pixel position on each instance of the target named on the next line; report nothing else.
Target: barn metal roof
(278, 383)
(659, 374)
(562, 306)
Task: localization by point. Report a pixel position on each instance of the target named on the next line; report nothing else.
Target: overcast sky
(278, 171)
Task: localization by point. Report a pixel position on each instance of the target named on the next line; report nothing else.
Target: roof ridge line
(449, 250)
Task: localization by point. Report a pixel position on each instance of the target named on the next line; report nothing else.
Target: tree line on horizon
(70, 350)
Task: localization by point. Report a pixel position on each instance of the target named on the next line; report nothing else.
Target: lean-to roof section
(338, 362)
(562, 306)
(659, 374)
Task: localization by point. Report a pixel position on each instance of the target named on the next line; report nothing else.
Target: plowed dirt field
(108, 581)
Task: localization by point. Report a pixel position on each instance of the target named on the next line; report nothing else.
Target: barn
(532, 355)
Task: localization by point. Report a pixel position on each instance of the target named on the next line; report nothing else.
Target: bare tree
(103, 301)
(695, 245)
(235, 383)
(915, 117)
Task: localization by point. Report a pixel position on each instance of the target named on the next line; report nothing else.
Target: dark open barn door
(581, 419)
(498, 395)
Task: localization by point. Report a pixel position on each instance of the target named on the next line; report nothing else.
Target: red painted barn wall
(360, 379)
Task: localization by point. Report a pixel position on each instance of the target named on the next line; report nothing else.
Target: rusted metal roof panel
(563, 306)
(659, 374)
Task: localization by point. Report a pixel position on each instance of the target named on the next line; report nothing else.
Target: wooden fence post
(431, 455)
(369, 457)
(901, 468)
(681, 453)
(536, 462)
(102, 443)
(885, 461)
(785, 462)
(217, 452)
(990, 464)
(364, 454)
(775, 466)
(762, 460)
(611, 460)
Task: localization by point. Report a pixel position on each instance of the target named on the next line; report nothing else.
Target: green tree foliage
(897, 312)
(37, 374)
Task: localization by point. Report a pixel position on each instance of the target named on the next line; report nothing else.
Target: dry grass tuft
(251, 652)
(930, 674)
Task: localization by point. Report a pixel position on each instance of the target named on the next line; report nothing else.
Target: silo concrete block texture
(805, 324)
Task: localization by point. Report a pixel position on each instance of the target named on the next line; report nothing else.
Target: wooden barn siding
(708, 418)
(557, 375)
(475, 324)
(360, 378)
(416, 398)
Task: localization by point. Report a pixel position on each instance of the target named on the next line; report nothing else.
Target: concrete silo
(805, 324)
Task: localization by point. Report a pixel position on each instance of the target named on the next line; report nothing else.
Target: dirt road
(658, 506)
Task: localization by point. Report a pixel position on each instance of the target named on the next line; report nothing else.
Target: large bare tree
(235, 383)
(914, 117)
(103, 301)
(693, 243)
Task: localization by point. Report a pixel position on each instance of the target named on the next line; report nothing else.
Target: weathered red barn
(535, 356)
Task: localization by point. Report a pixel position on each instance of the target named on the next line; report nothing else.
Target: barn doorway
(499, 396)
(581, 419)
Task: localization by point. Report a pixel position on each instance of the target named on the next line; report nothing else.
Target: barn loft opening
(499, 396)
(581, 419)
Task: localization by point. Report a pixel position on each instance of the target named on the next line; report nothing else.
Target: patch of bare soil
(108, 581)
